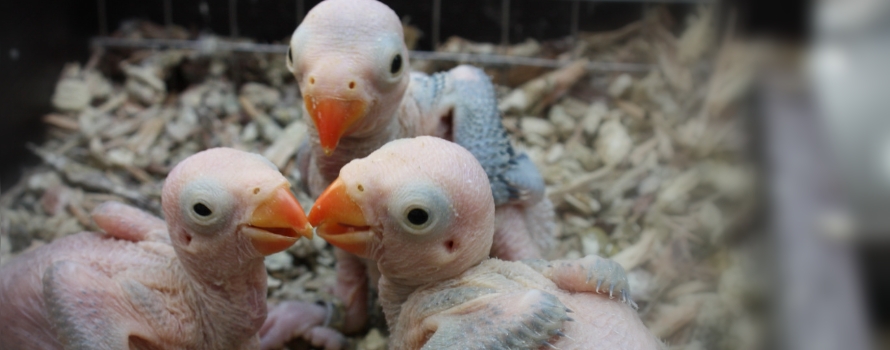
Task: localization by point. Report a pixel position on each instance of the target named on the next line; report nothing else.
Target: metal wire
(576, 12)
(437, 14)
(213, 44)
(168, 13)
(505, 16)
(103, 21)
(505, 22)
(206, 45)
(233, 17)
(300, 11)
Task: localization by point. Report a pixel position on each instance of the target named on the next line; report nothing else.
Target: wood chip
(542, 91)
(61, 121)
(286, 145)
(638, 253)
(631, 109)
(147, 134)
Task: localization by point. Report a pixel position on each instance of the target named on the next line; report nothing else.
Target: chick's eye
(418, 217)
(420, 209)
(396, 65)
(206, 206)
(202, 209)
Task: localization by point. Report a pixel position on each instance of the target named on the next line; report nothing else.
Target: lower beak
(332, 117)
(277, 223)
(340, 221)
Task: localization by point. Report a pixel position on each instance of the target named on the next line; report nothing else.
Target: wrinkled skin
(349, 58)
(197, 281)
(508, 305)
(421, 209)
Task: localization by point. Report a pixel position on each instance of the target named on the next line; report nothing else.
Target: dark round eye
(418, 216)
(202, 209)
(396, 65)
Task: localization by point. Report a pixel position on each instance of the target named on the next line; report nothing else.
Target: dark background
(38, 37)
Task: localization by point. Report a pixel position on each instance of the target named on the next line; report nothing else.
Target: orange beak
(277, 223)
(340, 221)
(332, 117)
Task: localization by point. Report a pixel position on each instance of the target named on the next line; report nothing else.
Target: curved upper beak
(278, 222)
(332, 117)
(340, 221)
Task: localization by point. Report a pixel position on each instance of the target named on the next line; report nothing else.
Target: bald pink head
(421, 207)
(350, 60)
(224, 205)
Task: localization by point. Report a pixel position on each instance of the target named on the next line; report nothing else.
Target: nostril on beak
(311, 80)
(351, 85)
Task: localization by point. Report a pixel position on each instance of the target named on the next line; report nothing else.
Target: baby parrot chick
(197, 281)
(351, 63)
(352, 66)
(422, 210)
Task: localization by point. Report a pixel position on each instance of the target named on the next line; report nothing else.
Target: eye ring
(206, 206)
(396, 66)
(204, 214)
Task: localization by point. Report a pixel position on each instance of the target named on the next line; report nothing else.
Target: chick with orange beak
(352, 66)
(351, 63)
(197, 281)
(421, 209)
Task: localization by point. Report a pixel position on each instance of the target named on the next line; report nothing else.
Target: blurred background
(807, 116)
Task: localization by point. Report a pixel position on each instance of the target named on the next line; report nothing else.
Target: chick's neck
(392, 296)
(233, 295)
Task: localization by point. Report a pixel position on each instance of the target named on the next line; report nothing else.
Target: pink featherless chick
(195, 282)
(422, 210)
(353, 69)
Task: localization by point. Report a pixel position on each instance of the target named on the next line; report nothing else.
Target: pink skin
(175, 285)
(445, 179)
(598, 322)
(354, 41)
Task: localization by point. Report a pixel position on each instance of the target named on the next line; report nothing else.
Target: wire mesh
(212, 44)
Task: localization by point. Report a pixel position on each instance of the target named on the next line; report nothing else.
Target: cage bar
(168, 13)
(505, 22)
(576, 13)
(300, 11)
(210, 45)
(437, 14)
(103, 21)
(233, 17)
